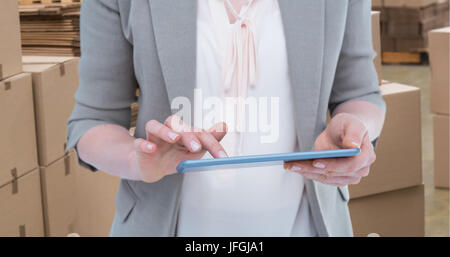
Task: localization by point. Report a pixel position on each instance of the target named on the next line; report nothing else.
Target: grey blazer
(151, 44)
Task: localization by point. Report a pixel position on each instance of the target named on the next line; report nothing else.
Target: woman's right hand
(170, 143)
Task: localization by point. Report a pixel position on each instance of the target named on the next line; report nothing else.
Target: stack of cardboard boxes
(74, 200)
(51, 29)
(440, 94)
(20, 188)
(55, 81)
(405, 23)
(43, 190)
(390, 201)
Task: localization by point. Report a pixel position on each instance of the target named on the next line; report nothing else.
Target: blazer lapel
(175, 28)
(304, 31)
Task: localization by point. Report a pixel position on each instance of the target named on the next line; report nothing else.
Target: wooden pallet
(25, 2)
(404, 57)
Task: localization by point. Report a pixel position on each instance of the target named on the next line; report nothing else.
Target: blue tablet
(261, 160)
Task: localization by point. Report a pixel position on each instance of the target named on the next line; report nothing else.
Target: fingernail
(296, 168)
(195, 146)
(319, 165)
(222, 154)
(149, 146)
(172, 135)
(355, 144)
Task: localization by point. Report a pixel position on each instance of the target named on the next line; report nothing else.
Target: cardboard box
(443, 7)
(410, 29)
(440, 77)
(414, 15)
(377, 3)
(10, 43)
(376, 34)
(21, 207)
(18, 154)
(409, 3)
(55, 81)
(96, 202)
(399, 149)
(59, 196)
(418, 44)
(388, 44)
(394, 214)
(441, 150)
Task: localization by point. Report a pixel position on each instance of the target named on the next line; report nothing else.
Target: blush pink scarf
(240, 67)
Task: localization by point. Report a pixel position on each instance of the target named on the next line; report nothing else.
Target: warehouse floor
(436, 200)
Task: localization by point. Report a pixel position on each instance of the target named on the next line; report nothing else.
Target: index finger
(219, 130)
(211, 144)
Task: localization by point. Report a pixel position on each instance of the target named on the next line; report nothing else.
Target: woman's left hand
(344, 131)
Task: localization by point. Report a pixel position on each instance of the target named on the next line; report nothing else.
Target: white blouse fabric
(259, 201)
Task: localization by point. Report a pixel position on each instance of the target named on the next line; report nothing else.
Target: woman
(311, 56)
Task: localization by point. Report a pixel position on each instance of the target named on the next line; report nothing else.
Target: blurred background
(44, 192)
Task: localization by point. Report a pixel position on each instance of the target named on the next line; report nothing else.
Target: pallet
(25, 2)
(404, 57)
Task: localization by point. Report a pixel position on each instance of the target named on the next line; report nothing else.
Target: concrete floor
(436, 200)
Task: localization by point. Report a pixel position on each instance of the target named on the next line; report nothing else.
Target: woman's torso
(252, 201)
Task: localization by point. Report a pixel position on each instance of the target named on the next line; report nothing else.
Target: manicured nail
(172, 135)
(195, 146)
(222, 154)
(296, 168)
(149, 147)
(319, 165)
(355, 144)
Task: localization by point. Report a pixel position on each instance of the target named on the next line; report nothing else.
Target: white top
(263, 201)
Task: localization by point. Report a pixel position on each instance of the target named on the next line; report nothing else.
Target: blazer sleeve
(356, 78)
(107, 83)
